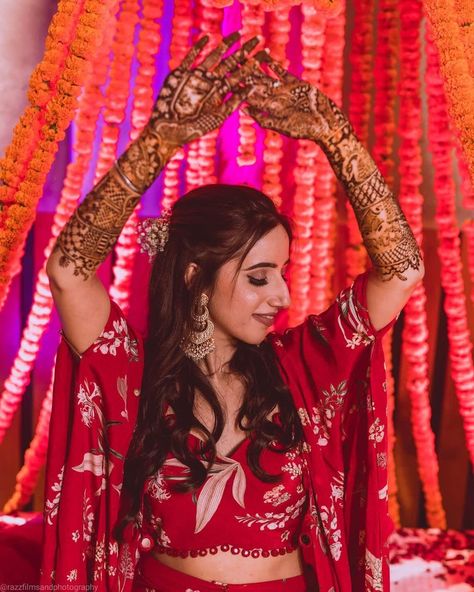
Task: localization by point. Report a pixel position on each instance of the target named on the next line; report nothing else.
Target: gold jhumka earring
(200, 341)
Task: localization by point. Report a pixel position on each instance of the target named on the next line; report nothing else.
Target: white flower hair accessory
(153, 233)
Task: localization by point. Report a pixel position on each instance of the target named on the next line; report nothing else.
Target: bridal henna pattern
(297, 109)
(191, 103)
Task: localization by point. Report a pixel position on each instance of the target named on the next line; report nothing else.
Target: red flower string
(361, 59)
(325, 190)
(415, 330)
(460, 346)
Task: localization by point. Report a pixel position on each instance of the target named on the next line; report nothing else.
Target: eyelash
(262, 282)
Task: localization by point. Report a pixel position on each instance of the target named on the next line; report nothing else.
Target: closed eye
(257, 281)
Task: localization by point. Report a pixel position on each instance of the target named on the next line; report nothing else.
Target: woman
(295, 421)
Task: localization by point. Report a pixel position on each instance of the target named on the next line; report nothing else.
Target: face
(247, 298)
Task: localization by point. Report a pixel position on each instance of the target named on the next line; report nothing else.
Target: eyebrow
(265, 264)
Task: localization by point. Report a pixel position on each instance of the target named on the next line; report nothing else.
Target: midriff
(235, 569)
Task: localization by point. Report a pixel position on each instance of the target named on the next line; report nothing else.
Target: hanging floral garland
(180, 35)
(210, 19)
(415, 330)
(312, 43)
(279, 27)
(460, 346)
(325, 191)
(361, 59)
(146, 49)
(253, 19)
(455, 69)
(324, 7)
(86, 118)
(21, 191)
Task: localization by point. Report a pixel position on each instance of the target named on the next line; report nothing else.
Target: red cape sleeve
(333, 364)
(95, 403)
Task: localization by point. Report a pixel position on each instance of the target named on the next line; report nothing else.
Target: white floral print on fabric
(376, 431)
(324, 413)
(274, 520)
(276, 496)
(88, 396)
(51, 506)
(108, 342)
(213, 489)
(373, 576)
(156, 487)
(328, 519)
(350, 312)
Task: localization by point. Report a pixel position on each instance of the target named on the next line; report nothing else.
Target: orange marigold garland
(455, 70)
(57, 112)
(147, 47)
(324, 7)
(361, 59)
(90, 103)
(415, 330)
(460, 346)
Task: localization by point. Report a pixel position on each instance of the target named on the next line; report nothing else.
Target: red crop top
(233, 509)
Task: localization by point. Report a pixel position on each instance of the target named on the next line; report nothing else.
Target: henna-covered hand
(289, 105)
(191, 103)
(299, 110)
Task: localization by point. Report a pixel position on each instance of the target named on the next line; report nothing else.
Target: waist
(197, 574)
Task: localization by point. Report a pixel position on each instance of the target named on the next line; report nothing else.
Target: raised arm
(299, 110)
(190, 104)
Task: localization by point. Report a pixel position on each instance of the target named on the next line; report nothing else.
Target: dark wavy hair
(210, 226)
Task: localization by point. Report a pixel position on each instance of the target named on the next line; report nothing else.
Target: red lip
(266, 320)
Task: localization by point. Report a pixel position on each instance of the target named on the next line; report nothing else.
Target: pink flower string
(460, 346)
(148, 45)
(415, 331)
(180, 36)
(210, 22)
(253, 19)
(279, 27)
(312, 42)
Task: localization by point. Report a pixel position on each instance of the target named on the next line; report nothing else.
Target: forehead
(273, 247)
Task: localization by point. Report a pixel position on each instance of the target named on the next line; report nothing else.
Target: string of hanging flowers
(361, 59)
(180, 34)
(148, 45)
(279, 27)
(460, 346)
(326, 7)
(23, 186)
(86, 117)
(304, 172)
(325, 191)
(415, 330)
(455, 70)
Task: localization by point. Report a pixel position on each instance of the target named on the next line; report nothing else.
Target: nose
(281, 297)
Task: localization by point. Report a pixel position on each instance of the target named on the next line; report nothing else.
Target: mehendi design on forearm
(190, 104)
(297, 109)
(386, 233)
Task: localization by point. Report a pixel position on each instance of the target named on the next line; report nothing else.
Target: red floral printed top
(333, 365)
(233, 509)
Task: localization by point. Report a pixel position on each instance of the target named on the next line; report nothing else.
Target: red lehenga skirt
(154, 576)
